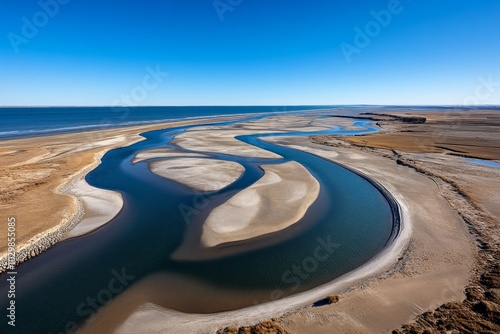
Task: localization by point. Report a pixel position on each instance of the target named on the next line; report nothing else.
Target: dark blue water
(22, 122)
(349, 212)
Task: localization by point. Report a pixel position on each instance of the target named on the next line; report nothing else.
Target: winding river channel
(352, 220)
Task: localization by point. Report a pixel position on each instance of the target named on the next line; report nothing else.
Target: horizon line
(257, 105)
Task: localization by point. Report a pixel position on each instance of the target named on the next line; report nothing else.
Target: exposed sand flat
(273, 204)
(297, 122)
(35, 181)
(197, 173)
(163, 153)
(221, 139)
(337, 121)
(279, 199)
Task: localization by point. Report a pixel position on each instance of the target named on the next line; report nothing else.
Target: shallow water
(56, 288)
(481, 162)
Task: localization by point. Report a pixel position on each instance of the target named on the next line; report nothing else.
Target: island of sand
(275, 202)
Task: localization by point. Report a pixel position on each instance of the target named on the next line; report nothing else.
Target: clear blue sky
(257, 52)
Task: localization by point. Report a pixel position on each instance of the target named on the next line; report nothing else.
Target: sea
(36, 121)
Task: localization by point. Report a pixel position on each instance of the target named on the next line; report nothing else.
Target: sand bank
(279, 199)
(99, 206)
(470, 189)
(274, 203)
(198, 173)
(222, 139)
(163, 153)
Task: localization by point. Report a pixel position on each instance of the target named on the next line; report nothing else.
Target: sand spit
(274, 203)
(198, 173)
(99, 207)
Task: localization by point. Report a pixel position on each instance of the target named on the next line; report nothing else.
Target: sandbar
(156, 153)
(276, 202)
(279, 199)
(198, 173)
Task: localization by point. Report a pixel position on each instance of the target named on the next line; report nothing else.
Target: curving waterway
(351, 220)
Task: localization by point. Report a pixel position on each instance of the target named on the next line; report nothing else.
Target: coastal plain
(446, 253)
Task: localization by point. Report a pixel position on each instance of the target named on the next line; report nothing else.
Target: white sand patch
(221, 141)
(198, 173)
(279, 199)
(100, 206)
(163, 153)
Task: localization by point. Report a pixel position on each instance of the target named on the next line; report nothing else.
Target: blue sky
(249, 52)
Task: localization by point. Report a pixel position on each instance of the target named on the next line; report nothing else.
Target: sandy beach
(448, 244)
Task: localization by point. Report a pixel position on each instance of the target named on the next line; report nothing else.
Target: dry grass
(472, 134)
(266, 327)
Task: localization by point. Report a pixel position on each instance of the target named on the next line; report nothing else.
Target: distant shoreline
(119, 114)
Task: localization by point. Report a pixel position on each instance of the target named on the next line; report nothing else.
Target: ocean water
(23, 122)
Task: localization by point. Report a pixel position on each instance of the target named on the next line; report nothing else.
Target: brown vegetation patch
(472, 134)
(266, 327)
